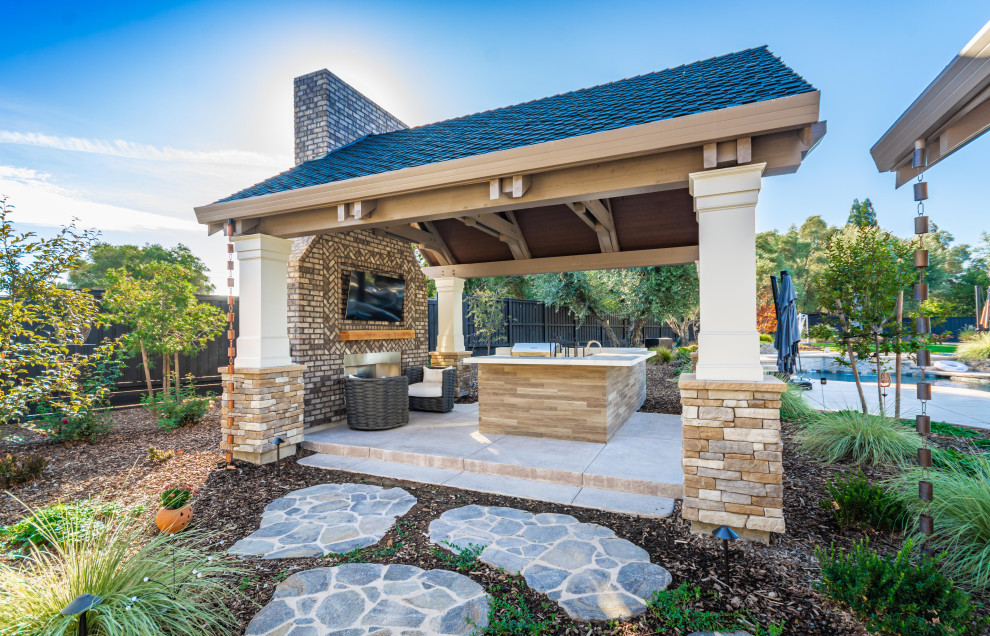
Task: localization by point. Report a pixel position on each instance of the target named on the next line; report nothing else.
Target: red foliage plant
(766, 316)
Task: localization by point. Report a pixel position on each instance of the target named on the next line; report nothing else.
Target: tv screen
(374, 297)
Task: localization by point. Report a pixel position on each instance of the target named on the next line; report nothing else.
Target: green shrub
(175, 496)
(892, 595)
(463, 559)
(61, 522)
(855, 501)
(508, 613)
(671, 609)
(664, 355)
(974, 347)
(857, 437)
(961, 508)
(180, 408)
(153, 586)
(793, 406)
(87, 424)
(766, 337)
(14, 471)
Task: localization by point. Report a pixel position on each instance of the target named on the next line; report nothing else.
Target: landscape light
(80, 605)
(726, 534)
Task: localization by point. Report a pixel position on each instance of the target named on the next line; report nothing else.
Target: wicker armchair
(441, 404)
(375, 404)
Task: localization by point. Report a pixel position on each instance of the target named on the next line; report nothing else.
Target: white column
(450, 317)
(725, 202)
(262, 338)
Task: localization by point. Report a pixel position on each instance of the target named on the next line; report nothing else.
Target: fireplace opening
(373, 365)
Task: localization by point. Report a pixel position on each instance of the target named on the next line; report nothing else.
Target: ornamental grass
(859, 438)
(961, 510)
(150, 584)
(974, 346)
(793, 406)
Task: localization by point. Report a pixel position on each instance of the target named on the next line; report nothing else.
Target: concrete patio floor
(637, 472)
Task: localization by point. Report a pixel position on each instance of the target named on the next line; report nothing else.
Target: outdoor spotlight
(278, 455)
(80, 605)
(726, 534)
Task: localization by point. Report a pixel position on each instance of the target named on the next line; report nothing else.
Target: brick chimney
(330, 113)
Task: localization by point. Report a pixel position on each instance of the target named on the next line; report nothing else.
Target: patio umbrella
(788, 334)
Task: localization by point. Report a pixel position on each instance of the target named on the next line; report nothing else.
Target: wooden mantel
(376, 334)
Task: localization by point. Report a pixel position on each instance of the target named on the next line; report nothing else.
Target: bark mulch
(773, 583)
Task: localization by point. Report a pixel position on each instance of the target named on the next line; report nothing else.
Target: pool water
(908, 381)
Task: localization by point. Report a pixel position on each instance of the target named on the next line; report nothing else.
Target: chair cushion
(426, 389)
(433, 374)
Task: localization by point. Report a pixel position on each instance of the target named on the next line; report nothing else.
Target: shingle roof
(745, 77)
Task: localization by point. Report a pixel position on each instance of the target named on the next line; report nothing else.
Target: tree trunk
(147, 371)
(852, 360)
(897, 359)
(635, 332)
(166, 376)
(178, 378)
(607, 329)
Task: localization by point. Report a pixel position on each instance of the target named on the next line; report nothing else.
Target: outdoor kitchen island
(586, 398)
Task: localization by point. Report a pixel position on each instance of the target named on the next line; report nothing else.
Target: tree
(579, 293)
(862, 214)
(486, 310)
(93, 272)
(675, 298)
(158, 303)
(42, 327)
(867, 268)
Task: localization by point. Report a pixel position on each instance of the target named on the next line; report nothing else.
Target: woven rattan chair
(375, 404)
(441, 404)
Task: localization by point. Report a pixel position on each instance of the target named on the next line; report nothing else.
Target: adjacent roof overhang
(953, 111)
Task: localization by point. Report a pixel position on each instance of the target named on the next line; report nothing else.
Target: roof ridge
(589, 88)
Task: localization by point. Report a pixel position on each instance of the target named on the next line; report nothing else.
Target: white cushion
(433, 374)
(426, 389)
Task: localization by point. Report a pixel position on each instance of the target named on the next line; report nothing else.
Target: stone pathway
(325, 519)
(365, 598)
(585, 568)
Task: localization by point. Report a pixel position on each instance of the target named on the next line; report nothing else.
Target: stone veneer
(330, 113)
(267, 403)
(319, 269)
(731, 455)
(455, 359)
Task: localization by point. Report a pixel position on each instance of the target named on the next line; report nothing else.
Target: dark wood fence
(949, 326)
(534, 321)
(204, 366)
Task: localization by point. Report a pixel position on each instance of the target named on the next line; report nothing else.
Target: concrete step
(566, 494)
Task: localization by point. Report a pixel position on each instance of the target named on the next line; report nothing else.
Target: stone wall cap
(264, 371)
(769, 384)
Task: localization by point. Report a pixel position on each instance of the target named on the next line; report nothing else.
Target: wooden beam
(517, 185)
(582, 213)
(744, 150)
(376, 334)
(363, 209)
(506, 231)
(444, 254)
(608, 240)
(521, 241)
(710, 154)
(634, 258)
(636, 175)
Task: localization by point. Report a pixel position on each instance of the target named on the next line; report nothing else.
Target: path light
(726, 534)
(278, 455)
(80, 605)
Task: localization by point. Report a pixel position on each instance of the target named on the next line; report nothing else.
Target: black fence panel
(533, 321)
(204, 366)
(950, 327)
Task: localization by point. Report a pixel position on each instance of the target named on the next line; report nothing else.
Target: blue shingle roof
(749, 76)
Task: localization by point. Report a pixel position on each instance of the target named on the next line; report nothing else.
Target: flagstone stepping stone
(584, 567)
(325, 519)
(365, 598)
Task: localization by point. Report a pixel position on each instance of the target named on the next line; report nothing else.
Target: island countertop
(606, 359)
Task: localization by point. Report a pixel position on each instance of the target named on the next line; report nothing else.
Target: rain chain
(229, 230)
(926, 524)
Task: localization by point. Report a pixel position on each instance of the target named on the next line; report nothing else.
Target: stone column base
(732, 455)
(265, 403)
(455, 359)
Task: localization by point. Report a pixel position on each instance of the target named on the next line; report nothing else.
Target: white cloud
(131, 150)
(38, 200)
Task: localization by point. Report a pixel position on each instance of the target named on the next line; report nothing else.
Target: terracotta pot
(172, 521)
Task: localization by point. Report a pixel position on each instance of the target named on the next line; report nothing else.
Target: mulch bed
(773, 583)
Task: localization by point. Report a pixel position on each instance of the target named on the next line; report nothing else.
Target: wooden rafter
(504, 230)
(597, 214)
(424, 239)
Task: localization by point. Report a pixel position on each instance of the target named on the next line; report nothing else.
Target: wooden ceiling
(647, 221)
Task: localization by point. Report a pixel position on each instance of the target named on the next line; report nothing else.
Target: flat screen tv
(374, 297)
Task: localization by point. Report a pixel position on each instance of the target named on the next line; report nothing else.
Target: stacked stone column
(731, 455)
(267, 404)
(455, 359)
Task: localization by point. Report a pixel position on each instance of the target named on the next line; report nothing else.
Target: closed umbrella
(788, 333)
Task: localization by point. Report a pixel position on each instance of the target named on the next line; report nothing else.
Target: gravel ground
(774, 583)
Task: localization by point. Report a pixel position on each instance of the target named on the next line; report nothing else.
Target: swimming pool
(907, 382)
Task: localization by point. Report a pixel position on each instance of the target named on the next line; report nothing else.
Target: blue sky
(127, 115)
